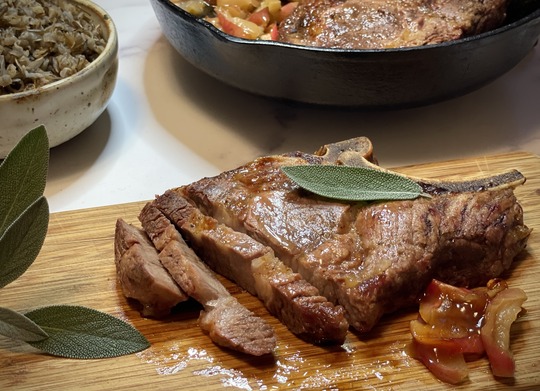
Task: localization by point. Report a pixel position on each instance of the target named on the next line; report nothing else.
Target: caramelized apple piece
(446, 362)
(457, 324)
(501, 313)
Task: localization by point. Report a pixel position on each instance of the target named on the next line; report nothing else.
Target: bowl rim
(243, 41)
(110, 49)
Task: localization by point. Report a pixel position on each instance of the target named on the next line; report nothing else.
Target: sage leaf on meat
(67, 331)
(17, 326)
(353, 183)
(81, 332)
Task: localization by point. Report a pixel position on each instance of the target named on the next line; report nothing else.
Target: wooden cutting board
(76, 266)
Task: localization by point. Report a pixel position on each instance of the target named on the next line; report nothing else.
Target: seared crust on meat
(393, 250)
(378, 24)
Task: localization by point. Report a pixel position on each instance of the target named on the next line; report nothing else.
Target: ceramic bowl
(68, 106)
(385, 78)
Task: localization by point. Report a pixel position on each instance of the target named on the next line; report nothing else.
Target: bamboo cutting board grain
(76, 266)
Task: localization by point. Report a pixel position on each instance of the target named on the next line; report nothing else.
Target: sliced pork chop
(141, 274)
(254, 267)
(227, 322)
(370, 258)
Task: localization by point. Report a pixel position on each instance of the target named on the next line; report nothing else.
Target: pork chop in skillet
(383, 24)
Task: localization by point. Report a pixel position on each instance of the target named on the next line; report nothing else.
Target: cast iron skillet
(382, 78)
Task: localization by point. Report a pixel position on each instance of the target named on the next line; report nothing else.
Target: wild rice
(44, 40)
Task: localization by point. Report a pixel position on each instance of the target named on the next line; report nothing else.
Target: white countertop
(168, 124)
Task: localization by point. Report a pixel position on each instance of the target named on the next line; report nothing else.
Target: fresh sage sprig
(80, 332)
(60, 330)
(353, 183)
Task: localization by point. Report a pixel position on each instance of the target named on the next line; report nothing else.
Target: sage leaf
(17, 326)
(66, 331)
(21, 242)
(85, 333)
(23, 174)
(353, 183)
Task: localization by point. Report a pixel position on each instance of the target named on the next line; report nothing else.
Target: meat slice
(380, 24)
(227, 322)
(141, 274)
(254, 267)
(371, 258)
